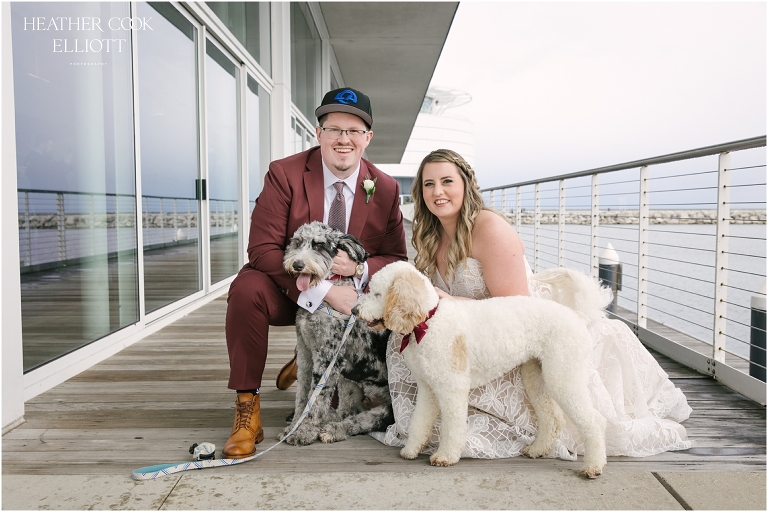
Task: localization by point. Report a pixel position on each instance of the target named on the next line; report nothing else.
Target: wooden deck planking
(686, 340)
(150, 402)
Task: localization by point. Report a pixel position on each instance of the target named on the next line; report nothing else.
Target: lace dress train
(642, 407)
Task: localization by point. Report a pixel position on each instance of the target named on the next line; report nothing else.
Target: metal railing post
(492, 199)
(162, 221)
(92, 226)
(642, 247)
(561, 226)
(27, 227)
(594, 249)
(721, 255)
(503, 200)
(60, 224)
(518, 215)
(145, 220)
(536, 226)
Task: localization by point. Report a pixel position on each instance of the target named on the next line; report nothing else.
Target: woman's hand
(445, 295)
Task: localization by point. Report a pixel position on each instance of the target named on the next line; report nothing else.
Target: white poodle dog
(452, 346)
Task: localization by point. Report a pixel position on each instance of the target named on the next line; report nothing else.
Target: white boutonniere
(369, 185)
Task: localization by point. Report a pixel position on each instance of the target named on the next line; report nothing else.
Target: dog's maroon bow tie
(419, 331)
(335, 277)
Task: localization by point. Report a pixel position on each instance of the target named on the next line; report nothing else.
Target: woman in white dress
(472, 253)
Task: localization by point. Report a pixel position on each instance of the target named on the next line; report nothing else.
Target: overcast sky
(562, 87)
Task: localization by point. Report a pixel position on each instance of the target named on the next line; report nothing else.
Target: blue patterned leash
(152, 472)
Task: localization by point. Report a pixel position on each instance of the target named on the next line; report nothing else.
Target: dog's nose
(355, 310)
(298, 266)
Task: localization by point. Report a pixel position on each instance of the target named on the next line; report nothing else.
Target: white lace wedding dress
(643, 408)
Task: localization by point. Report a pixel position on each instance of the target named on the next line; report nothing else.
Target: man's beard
(344, 168)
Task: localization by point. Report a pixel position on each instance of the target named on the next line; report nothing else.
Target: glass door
(222, 140)
(170, 171)
(76, 179)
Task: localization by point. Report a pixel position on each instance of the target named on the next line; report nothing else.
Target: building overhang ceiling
(389, 51)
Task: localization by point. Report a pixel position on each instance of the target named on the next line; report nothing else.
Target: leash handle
(152, 472)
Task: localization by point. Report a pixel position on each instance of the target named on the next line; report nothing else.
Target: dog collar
(419, 331)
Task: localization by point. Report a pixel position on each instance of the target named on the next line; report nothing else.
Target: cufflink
(309, 304)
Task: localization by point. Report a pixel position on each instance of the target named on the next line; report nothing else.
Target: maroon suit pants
(254, 303)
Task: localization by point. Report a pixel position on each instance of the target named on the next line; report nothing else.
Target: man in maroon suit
(313, 185)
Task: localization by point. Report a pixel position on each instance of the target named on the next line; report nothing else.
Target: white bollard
(609, 273)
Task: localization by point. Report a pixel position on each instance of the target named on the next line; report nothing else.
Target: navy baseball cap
(346, 100)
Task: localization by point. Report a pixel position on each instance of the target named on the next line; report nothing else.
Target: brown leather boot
(287, 374)
(247, 431)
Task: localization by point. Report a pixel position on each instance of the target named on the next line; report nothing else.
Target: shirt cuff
(361, 283)
(312, 298)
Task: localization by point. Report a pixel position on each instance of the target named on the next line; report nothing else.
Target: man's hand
(343, 266)
(341, 298)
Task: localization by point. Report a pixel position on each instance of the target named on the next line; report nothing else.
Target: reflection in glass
(76, 178)
(257, 108)
(249, 23)
(221, 110)
(169, 161)
(305, 60)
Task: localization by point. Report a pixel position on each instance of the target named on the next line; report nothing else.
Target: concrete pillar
(280, 111)
(13, 358)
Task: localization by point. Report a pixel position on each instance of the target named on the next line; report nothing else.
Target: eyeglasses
(335, 133)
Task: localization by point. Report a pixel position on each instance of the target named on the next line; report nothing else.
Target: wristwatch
(359, 270)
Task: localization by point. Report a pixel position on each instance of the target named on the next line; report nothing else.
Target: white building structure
(435, 128)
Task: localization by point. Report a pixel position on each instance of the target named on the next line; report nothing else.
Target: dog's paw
(591, 471)
(535, 451)
(295, 440)
(333, 433)
(302, 437)
(442, 460)
(409, 453)
(292, 440)
(282, 435)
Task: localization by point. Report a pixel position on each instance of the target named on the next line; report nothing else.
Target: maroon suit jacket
(293, 196)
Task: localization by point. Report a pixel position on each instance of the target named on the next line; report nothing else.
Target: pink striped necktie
(337, 216)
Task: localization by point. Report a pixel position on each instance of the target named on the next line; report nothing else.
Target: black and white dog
(355, 399)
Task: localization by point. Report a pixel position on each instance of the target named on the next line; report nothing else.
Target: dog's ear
(405, 305)
(353, 247)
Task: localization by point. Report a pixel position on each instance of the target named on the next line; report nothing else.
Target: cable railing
(688, 231)
(58, 228)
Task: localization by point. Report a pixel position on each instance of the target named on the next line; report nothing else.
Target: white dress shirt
(313, 297)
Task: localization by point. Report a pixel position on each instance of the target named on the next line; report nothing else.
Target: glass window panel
(305, 60)
(257, 105)
(76, 175)
(221, 108)
(168, 122)
(298, 135)
(249, 22)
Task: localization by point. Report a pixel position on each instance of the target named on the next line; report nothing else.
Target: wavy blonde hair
(426, 226)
